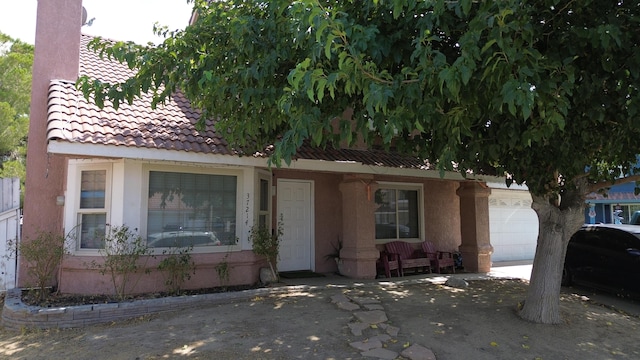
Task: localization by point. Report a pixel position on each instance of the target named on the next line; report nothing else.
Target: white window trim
(407, 186)
(72, 201)
(144, 209)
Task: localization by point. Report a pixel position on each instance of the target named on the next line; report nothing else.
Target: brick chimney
(57, 49)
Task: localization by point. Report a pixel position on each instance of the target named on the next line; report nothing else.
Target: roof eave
(110, 151)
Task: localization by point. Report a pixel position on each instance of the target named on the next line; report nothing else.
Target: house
(618, 205)
(152, 171)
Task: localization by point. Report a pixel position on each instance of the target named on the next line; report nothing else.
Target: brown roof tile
(171, 126)
(614, 196)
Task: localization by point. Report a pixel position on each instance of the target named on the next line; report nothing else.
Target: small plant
(335, 254)
(177, 267)
(223, 269)
(42, 255)
(267, 243)
(121, 254)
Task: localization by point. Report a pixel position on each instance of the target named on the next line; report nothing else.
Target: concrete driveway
(522, 270)
(332, 317)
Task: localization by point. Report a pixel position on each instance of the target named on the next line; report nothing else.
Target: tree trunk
(557, 222)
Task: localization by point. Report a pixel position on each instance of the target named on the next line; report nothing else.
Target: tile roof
(372, 157)
(170, 126)
(614, 196)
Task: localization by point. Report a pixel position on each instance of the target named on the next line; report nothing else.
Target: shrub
(121, 254)
(42, 255)
(177, 267)
(267, 243)
(223, 270)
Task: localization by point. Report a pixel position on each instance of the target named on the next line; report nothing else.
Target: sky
(114, 19)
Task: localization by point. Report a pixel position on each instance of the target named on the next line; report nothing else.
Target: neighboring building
(617, 206)
(152, 171)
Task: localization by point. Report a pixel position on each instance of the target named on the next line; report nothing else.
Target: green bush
(122, 252)
(177, 267)
(267, 244)
(42, 256)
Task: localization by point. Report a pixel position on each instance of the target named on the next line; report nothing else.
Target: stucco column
(56, 56)
(476, 246)
(359, 253)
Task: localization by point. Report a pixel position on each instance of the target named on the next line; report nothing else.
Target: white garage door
(513, 225)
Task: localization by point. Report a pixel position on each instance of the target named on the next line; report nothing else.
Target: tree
(544, 92)
(16, 60)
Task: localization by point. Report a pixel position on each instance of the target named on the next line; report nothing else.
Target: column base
(359, 263)
(476, 259)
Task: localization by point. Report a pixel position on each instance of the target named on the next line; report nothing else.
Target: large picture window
(189, 209)
(92, 212)
(398, 213)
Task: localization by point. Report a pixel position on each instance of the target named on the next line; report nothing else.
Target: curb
(17, 316)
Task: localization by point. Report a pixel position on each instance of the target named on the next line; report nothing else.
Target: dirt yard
(478, 322)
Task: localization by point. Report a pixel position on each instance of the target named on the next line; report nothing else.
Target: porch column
(476, 246)
(359, 253)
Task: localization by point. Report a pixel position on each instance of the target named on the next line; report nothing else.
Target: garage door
(513, 225)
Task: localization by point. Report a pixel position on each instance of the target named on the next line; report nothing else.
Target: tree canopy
(545, 91)
(16, 60)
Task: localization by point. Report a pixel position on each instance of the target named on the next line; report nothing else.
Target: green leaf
(328, 45)
(466, 6)
(488, 45)
(322, 83)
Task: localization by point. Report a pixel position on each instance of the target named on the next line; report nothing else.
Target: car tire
(567, 277)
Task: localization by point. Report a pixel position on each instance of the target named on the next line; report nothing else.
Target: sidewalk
(502, 270)
(512, 269)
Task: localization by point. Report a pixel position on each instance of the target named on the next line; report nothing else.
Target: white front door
(295, 204)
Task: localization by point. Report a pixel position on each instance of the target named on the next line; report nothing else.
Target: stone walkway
(378, 338)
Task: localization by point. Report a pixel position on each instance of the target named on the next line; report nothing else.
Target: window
(92, 212)
(398, 213)
(264, 205)
(190, 209)
(623, 214)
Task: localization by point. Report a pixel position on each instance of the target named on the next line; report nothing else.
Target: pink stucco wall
(442, 214)
(77, 275)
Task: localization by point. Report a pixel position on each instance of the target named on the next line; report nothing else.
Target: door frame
(311, 223)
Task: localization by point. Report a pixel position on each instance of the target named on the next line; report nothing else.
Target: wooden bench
(439, 259)
(407, 257)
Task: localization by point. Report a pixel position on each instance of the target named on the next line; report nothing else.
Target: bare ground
(478, 322)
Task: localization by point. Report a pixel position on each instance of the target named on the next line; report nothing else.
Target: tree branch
(604, 184)
(356, 59)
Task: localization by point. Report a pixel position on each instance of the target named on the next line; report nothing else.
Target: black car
(606, 257)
